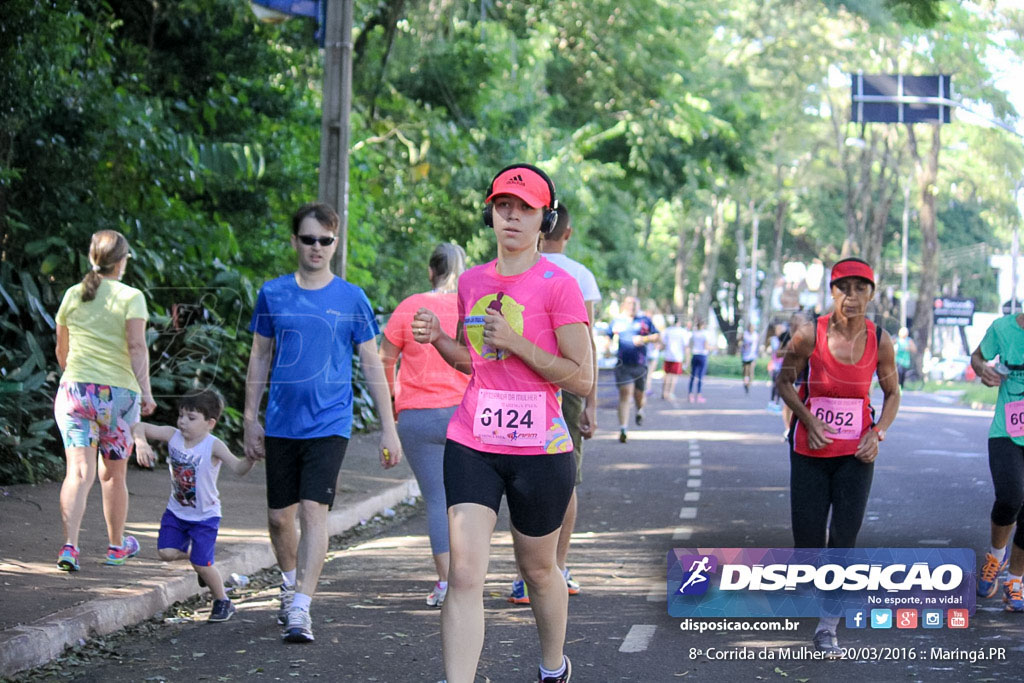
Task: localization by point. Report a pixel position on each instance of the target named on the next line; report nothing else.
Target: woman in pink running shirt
(508, 436)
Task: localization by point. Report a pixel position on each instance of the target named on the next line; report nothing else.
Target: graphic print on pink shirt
(534, 303)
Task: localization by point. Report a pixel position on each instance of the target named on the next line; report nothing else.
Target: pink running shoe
(68, 558)
(129, 548)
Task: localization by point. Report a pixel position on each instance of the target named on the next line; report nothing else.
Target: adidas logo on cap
(516, 179)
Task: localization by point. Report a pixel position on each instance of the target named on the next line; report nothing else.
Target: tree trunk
(686, 246)
(927, 171)
(775, 270)
(714, 231)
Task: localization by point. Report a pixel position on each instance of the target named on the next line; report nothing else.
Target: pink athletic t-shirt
(501, 408)
(424, 379)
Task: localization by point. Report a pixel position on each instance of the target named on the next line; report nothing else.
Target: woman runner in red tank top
(834, 440)
(838, 393)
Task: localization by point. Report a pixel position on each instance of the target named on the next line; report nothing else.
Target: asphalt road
(707, 475)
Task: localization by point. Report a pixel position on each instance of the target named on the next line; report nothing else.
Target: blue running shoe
(988, 579)
(519, 594)
(222, 611)
(1012, 596)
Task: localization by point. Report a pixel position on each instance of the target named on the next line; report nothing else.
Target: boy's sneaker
(827, 644)
(519, 595)
(222, 610)
(1012, 596)
(570, 583)
(287, 595)
(129, 548)
(564, 678)
(622, 436)
(639, 418)
(988, 579)
(68, 558)
(437, 596)
(299, 628)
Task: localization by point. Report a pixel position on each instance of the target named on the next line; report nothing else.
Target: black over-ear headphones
(547, 224)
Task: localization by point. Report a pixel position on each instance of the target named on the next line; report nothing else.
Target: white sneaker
(299, 628)
(436, 597)
(287, 595)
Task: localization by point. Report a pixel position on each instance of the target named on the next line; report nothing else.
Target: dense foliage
(194, 130)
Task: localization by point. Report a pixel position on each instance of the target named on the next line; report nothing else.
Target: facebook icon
(856, 618)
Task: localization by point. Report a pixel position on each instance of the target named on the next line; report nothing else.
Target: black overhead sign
(895, 98)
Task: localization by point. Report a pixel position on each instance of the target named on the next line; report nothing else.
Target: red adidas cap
(852, 269)
(523, 183)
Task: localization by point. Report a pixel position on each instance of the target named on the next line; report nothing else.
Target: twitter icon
(881, 618)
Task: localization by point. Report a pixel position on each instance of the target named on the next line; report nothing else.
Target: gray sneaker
(299, 628)
(287, 595)
(827, 643)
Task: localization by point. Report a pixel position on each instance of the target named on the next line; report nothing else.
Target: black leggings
(817, 485)
(1006, 462)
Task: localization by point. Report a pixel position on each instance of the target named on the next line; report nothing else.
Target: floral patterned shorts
(97, 416)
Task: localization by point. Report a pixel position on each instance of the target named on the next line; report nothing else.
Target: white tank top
(194, 494)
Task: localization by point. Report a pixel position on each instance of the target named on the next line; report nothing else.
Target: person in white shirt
(675, 340)
(699, 349)
(748, 353)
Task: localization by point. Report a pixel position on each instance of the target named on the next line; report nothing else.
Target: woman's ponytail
(106, 250)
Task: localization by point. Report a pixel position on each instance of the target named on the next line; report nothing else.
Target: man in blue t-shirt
(635, 332)
(305, 327)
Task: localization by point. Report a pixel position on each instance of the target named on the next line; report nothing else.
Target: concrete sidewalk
(45, 610)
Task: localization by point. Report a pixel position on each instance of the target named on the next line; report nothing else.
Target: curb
(31, 645)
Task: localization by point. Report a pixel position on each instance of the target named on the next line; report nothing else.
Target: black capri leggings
(817, 485)
(1006, 462)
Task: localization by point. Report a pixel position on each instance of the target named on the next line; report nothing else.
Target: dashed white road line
(688, 513)
(682, 533)
(693, 483)
(695, 472)
(638, 638)
(696, 462)
(691, 497)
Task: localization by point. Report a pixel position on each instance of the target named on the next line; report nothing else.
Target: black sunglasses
(309, 240)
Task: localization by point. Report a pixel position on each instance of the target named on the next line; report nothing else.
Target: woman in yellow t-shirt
(101, 348)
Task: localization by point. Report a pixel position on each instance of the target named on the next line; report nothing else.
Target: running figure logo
(695, 581)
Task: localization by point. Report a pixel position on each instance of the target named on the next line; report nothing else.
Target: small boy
(192, 516)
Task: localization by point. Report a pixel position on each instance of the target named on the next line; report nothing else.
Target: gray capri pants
(422, 432)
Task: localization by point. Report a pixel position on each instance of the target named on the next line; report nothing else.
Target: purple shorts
(179, 533)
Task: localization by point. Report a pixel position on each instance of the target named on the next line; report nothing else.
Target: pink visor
(523, 183)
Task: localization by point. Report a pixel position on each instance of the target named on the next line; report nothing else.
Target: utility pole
(903, 268)
(755, 214)
(334, 129)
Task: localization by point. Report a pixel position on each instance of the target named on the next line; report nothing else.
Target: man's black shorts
(631, 374)
(303, 469)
